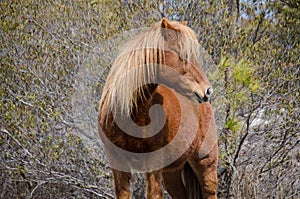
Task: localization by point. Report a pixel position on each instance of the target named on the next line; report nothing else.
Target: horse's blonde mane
(137, 64)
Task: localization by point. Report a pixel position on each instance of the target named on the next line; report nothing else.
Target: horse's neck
(146, 95)
(144, 101)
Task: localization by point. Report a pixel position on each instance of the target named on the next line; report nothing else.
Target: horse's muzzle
(206, 97)
(200, 99)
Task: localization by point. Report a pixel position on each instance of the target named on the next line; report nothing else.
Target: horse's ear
(184, 23)
(166, 24)
(168, 30)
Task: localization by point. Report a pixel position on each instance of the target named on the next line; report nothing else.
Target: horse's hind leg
(122, 184)
(154, 189)
(174, 185)
(206, 171)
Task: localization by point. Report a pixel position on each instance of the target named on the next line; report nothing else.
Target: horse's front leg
(122, 184)
(154, 189)
(206, 171)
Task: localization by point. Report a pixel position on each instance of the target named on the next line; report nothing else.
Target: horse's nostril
(208, 92)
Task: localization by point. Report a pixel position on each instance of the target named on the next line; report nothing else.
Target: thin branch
(17, 141)
(238, 9)
(261, 19)
(35, 188)
(243, 138)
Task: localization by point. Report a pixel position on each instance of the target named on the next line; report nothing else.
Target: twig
(20, 145)
(17, 141)
(35, 188)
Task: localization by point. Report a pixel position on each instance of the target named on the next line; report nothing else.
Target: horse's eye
(184, 72)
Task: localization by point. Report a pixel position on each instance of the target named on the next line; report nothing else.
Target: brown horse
(155, 116)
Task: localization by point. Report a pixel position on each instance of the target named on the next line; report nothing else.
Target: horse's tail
(191, 183)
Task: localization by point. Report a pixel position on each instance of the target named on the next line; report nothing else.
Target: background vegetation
(44, 46)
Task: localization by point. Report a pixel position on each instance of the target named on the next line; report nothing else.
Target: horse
(155, 115)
